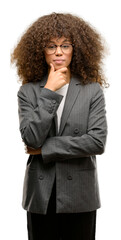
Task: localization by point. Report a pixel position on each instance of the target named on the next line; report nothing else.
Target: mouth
(58, 61)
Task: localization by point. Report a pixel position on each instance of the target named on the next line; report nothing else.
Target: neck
(68, 75)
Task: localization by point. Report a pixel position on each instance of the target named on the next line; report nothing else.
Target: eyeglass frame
(60, 47)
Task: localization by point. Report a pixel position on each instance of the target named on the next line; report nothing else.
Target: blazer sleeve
(60, 148)
(35, 122)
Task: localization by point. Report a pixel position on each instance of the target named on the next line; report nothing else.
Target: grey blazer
(69, 154)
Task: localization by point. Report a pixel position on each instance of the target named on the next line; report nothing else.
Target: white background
(15, 17)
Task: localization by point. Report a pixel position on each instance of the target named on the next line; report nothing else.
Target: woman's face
(62, 56)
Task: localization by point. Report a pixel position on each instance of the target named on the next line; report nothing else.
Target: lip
(59, 61)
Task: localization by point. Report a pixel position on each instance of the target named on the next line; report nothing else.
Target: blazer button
(50, 110)
(41, 177)
(69, 177)
(76, 130)
(54, 101)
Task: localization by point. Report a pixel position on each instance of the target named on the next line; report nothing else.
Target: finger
(52, 67)
(63, 70)
(33, 151)
(28, 150)
(25, 148)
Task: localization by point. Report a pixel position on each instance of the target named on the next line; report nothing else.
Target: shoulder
(29, 90)
(93, 87)
(28, 87)
(96, 92)
(91, 90)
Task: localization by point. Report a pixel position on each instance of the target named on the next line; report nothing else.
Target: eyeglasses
(65, 48)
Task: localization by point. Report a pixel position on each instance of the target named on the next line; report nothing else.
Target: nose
(58, 51)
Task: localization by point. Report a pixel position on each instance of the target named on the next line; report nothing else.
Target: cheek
(69, 58)
(48, 59)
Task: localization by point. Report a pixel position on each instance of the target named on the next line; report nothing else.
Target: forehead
(60, 40)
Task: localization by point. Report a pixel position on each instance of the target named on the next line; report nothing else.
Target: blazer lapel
(72, 94)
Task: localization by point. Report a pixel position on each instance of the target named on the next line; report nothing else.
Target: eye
(65, 46)
(51, 46)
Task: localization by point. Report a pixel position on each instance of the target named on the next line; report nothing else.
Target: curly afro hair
(88, 51)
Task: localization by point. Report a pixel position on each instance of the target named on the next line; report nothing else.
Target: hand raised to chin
(57, 78)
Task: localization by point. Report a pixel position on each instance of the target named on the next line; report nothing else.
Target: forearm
(61, 148)
(35, 123)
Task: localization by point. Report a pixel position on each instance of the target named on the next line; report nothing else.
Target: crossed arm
(66, 147)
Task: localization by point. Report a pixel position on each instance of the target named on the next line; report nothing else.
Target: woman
(63, 125)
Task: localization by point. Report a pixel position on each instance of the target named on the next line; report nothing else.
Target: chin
(57, 67)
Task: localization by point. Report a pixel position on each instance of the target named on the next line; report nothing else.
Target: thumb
(52, 67)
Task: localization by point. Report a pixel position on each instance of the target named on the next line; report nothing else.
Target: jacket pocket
(82, 164)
